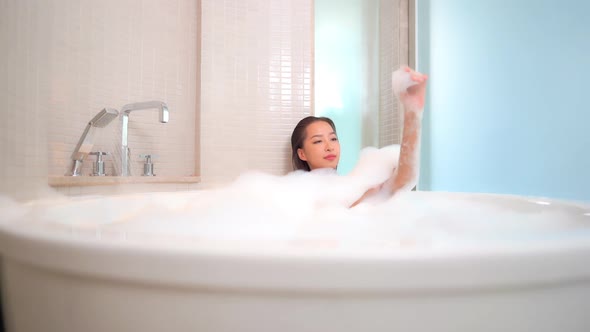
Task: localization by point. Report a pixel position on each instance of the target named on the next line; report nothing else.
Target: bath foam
(256, 204)
(401, 81)
(308, 211)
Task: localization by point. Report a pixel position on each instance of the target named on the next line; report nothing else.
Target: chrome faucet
(125, 110)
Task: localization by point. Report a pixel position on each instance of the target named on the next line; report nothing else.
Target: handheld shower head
(104, 117)
(85, 144)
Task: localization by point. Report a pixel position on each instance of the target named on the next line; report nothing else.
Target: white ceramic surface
(84, 280)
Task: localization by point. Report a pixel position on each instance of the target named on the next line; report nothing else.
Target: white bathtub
(90, 279)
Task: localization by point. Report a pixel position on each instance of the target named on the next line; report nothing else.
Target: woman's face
(321, 148)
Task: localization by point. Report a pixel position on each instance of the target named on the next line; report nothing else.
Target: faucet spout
(148, 105)
(125, 111)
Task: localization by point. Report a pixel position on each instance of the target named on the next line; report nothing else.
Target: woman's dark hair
(298, 137)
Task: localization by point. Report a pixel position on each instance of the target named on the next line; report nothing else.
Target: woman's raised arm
(410, 87)
(411, 91)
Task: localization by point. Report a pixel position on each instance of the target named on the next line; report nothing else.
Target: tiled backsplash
(23, 125)
(63, 61)
(257, 69)
(110, 53)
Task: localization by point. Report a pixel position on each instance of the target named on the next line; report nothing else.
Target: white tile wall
(23, 117)
(257, 69)
(110, 53)
(63, 61)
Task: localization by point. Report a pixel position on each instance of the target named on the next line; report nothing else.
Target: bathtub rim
(513, 267)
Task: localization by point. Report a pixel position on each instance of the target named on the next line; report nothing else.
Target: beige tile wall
(63, 61)
(70, 59)
(393, 51)
(23, 96)
(257, 69)
(110, 53)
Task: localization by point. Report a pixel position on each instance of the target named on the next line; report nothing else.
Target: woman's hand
(413, 96)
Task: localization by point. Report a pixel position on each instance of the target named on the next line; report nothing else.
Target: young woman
(315, 145)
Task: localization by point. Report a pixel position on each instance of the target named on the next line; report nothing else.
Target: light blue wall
(507, 107)
(338, 56)
(343, 58)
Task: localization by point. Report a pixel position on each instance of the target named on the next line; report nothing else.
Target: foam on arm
(405, 176)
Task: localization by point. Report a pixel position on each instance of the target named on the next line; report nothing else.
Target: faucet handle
(99, 154)
(148, 156)
(148, 166)
(98, 169)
